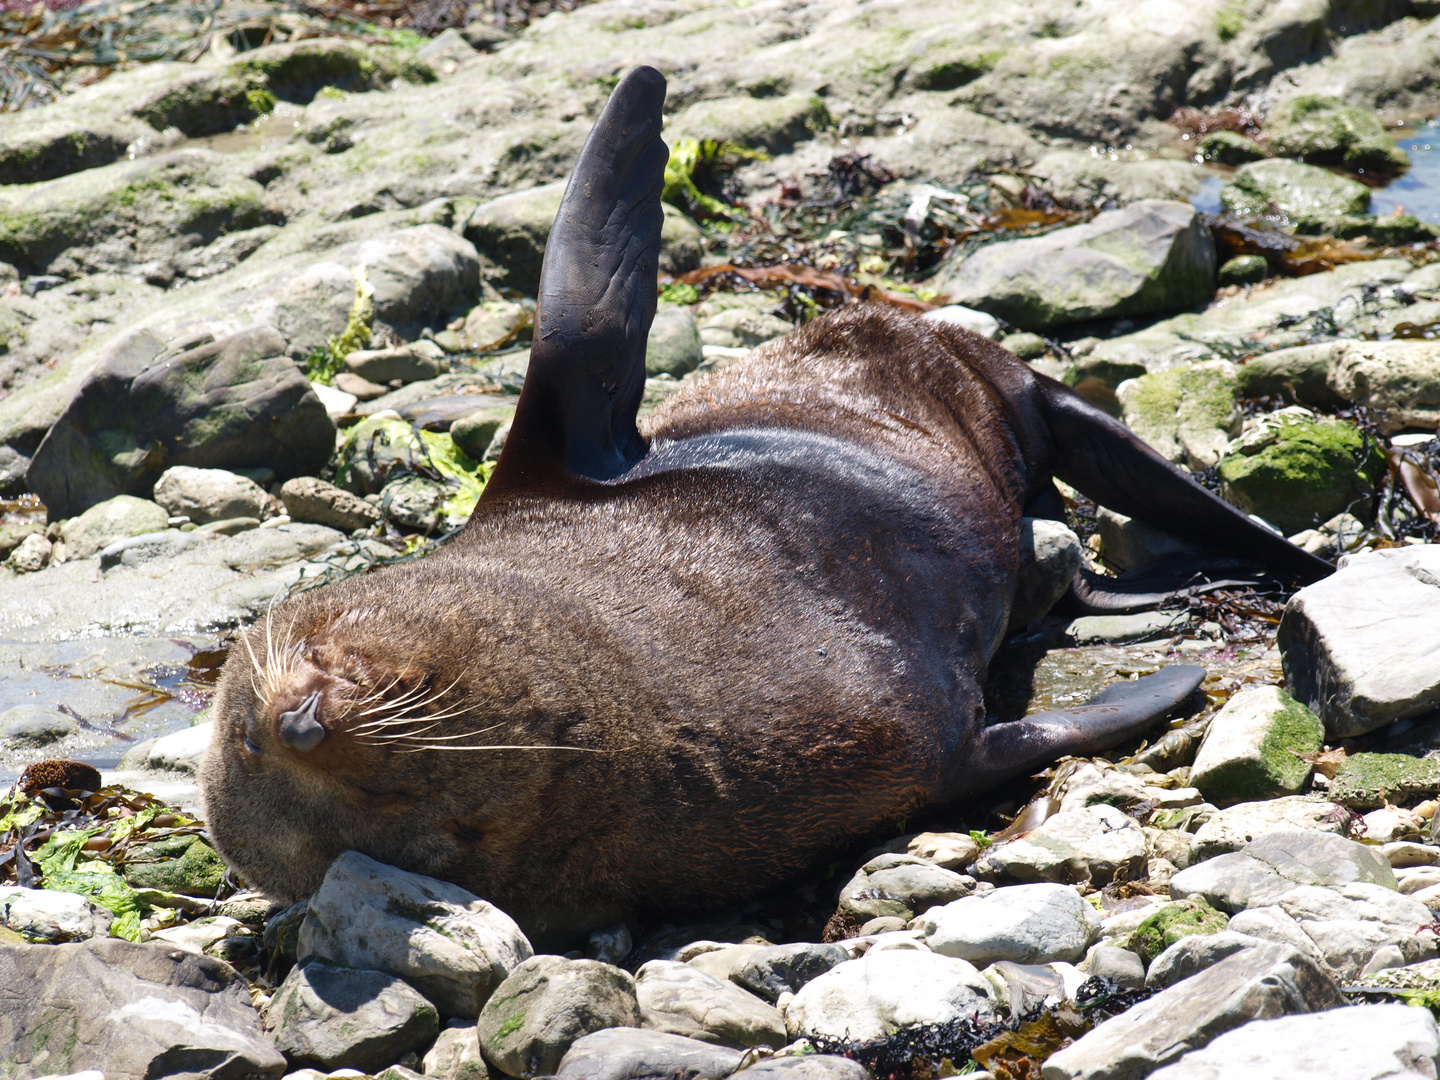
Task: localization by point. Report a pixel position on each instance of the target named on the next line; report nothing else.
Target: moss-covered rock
(1171, 923)
(1230, 148)
(1325, 131)
(1367, 781)
(1243, 270)
(1302, 473)
(1188, 414)
(1298, 192)
(185, 865)
(774, 124)
(1250, 749)
(1298, 374)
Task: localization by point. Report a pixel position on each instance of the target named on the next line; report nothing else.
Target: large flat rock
(1362, 648)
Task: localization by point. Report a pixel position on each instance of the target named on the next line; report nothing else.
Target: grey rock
(474, 433)
(1362, 1042)
(309, 499)
(1347, 926)
(742, 328)
(1235, 826)
(1276, 862)
(456, 1055)
(681, 242)
(32, 555)
(682, 1000)
(1188, 413)
(233, 403)
(414, 502)
(205, 495)
(723, 963)
(181, 751)
(348, 382)
(808, 1067)
(1091, 845)
(334, 1017)
(900, 885)
(1028, 924)
(673, 347)
(51, 917)
(128, 1010)
(1127, 542)
(1268, 980)
(1049, 558)
(12, 534)
(625, 1053)
(35, 725)
(165, 544)
(404, 363)
(1242, 269)
(1025, 345)
(883, 990)
(447, 943)
(1303, 370)
(1195, 953)
(1325, 131)
(951, 851)
(511, 231)
(1121, 966)
(1302, 193)
(229, 526)
(775, 124)
(610, 945)
(1353, 646)
(1153, 256)
(779, 969)
(545, 1005)
(979, 322)
(1121, 629)
(1398, 379)
(1249, 750)
(114, 519)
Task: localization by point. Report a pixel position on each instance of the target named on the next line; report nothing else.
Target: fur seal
(671, 668)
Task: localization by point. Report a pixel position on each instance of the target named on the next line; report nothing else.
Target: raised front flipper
(1102, 458)
(576, 415)
(1119, 712)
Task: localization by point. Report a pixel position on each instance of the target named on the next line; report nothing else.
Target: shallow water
(1418, 191)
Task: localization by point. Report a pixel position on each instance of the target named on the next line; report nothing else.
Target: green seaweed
(324, 364)
(702, 158)
(1171, 923)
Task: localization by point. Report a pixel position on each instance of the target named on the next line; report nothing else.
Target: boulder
(900, 885)
(545, 1005)
(205, 495)
(333, 1017)
(32, 554)
(181, 751)
(491, 324)
(1126, 543)
(1302, 371)
(449, 944)
(738, 327)
(510, 232)
(1119, 629)
(682, 1000)
(681, 242)
(1121, 966)
(1370, 781)
(36, 725)
(770, 971)
(1299, 473)
(1235, 826)
(322, 503)
(1029, 924)
(235, 403)
(1362, 1042)
(128, 1010)
(1323, 130)
(627, 1053)
(1188, 413)
(1357, 647)
(1193, 953)
(1243, 270)
(1273, 864)
(774, 124)
(1269, 980)
(473, 433)
(883, 991)
(808, 1067)
(114, 519)
(1092, 845)
(456, 1055)
(673, 347)
(184, 864)
(1398, 379)
(1172, 923)
(949, 850)
(1049, 558)
(1249, 750)
(1153, 256)
(1305, 194)
(979, 322)
(50, 917)
(1345, 926)
(415, 362)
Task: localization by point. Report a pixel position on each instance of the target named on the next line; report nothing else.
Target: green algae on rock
(198, 871)
(1250, 750)
(1172, 922)
(1299, 192)
(1323, 130)
(1188, 413)
(1368, 781)
(1309, 471)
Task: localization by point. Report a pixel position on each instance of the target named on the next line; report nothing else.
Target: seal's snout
(300, 728)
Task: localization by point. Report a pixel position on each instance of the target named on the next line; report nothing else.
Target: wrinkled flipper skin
(576, 414)
(1119, 712)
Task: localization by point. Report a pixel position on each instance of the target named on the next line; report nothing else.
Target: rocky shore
(264, 315)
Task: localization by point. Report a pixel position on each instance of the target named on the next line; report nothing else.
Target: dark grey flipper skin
(576, 415)
(1002, 752)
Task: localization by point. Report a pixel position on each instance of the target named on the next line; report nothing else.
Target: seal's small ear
(576, 414)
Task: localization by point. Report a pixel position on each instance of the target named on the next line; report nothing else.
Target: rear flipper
(1102, 458)
(1180, 574)
(1119, 712)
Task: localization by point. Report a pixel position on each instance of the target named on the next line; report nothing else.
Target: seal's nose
(299, 728)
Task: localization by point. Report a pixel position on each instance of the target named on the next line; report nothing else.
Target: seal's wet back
(669, 668)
